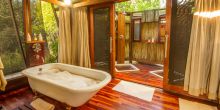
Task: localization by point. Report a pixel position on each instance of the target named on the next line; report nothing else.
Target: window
(137, 29)
(10, 47)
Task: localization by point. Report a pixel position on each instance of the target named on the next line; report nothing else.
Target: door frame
(112, 34)
(166, 85)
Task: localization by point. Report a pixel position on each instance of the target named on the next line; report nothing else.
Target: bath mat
(40, 104)
(136, 90)
(190, 105)
(126, 68)
(158, 73)
(160, 65)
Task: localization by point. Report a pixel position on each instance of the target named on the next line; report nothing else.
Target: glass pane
(45, 22)
(18, 11)
(102, 39)
(10, 50)
(137, 26)
(180, 35)
(127, 40)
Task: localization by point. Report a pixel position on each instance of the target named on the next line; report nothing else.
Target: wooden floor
(106, 99)
(143, 76)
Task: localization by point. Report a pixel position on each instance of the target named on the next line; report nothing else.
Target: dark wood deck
(106, 99)
(143, 76)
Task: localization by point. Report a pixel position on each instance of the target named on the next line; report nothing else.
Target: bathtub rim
(92, 88)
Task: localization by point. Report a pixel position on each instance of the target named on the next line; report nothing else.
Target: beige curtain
(74, 37)
(81, 34)
(215, 64)
(65, 40)
(3, 81)
(203, 63)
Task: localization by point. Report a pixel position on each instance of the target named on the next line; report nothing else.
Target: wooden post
(121, 39)
(27, 18)
(131, 40)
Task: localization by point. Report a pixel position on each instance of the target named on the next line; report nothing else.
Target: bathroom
(109, 55)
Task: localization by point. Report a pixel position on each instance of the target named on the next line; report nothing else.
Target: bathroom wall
(144, 52)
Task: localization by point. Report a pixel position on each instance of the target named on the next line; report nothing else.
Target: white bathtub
(69, 95)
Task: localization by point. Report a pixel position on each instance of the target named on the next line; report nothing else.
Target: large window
(44, 21)
(10, 47)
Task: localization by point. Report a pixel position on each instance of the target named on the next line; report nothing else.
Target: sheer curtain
(73, 37)
(203, 63)
(64, 40)
(81, 35)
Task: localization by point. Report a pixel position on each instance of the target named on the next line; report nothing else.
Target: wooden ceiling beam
(83, 2)
(94, 2)
(56, 2)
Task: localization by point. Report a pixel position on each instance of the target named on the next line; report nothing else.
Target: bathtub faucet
(40, 70)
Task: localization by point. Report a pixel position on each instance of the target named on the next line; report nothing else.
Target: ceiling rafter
(83, 2)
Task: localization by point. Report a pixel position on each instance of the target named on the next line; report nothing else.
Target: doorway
(140, 46)
(101, 37)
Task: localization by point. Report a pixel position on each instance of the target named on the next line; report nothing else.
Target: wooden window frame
(140, 39)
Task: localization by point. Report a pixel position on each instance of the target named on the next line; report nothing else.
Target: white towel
(40, 104)
(3, 81)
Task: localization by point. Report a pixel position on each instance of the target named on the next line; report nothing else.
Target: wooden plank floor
(105, 99)
(143, 76)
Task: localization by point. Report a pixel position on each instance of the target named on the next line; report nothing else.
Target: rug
(158, 73)
(136, 90)
(190, 105)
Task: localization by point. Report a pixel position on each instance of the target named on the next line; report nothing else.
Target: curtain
(65, 40)
(81, 34)
(215, 64)
(203, 63)
(74, 37)
(3, 81)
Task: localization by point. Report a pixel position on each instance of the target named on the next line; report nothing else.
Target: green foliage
(51, 30)
(13, 62)
(9, 47)
(138, 5)
(54, 50)
(36, 17)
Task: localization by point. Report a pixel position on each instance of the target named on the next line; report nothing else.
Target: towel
(40, 104)
(3, 81)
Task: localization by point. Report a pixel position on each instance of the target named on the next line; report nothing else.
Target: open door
(179, 17)
(166, 85)
(102, 37)
(178, 29)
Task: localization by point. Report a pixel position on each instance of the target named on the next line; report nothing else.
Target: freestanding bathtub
(72, 95)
